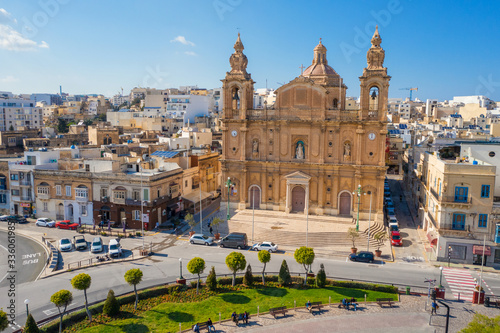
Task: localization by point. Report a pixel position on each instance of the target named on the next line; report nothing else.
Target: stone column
(288, 194)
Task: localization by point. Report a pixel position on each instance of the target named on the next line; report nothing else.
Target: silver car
(65, 244)
(96, 245)
(45, 222)
(201, 239)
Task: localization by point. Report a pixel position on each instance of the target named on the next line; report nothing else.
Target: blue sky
(445, 48)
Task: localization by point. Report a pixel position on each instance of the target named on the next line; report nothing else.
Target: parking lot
(53, 235)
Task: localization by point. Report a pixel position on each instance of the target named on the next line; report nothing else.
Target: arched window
(374, 95)
(235, 95)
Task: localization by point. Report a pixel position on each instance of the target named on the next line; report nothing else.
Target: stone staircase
(375, 228)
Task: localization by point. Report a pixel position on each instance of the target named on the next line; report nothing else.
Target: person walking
(434, 307)
(211, 231)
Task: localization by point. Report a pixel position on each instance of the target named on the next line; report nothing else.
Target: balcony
(82, 199)
(45, 196)
(433, 192)
(26, 198)
(24, 182)
(454, 201)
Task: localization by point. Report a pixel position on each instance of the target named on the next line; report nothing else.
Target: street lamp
(201, 210)
(358, 193)
(440, 277)
(26, 301)
(142, 205)
(229, 184)
(180, 267)
(369, 219)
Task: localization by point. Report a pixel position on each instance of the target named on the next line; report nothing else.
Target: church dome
(320, 67)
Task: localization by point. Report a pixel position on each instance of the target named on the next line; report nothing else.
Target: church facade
(306, 153)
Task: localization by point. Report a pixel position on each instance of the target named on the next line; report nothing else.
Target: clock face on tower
(371, 136)
(234, 133)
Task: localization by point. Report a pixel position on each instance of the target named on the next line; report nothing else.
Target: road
(30, 259)
(412, 249)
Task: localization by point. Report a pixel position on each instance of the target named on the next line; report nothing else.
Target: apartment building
(457, 210)
(21, 176)
(19, 114)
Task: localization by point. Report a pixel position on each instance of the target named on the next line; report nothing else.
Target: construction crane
(411, 90)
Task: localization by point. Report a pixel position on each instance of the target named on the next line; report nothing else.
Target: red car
(396, 238)
(66, 224)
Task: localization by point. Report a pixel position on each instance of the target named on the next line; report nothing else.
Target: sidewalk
(408, 315)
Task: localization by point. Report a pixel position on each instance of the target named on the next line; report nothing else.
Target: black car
(17, 219)
(394, 227)
(363, 256)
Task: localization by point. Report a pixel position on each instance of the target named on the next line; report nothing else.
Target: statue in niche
(299, 152)
(347, 149)
(255, 146)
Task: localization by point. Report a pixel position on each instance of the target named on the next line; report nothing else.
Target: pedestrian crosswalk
(460, 282)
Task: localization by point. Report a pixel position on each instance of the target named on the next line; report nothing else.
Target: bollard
(294, 305)
(459, 297)
(258, 310)
(365, 299)
(180, 327)
(330, 301)
(220, 321)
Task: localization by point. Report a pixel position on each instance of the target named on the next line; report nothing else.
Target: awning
(478, 249)
(194, 196)
(432, 237)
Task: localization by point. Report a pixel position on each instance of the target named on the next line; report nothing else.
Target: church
(307, 153)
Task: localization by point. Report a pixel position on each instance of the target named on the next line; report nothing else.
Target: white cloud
(190, 53)
(5, 16)
(182, 40)
(9, 79)
(12, 40)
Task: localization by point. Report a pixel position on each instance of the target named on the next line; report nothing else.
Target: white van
(114, 248)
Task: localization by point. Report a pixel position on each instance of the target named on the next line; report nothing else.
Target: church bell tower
(238, 85)
(374, 82)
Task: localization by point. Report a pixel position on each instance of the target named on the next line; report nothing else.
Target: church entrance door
(298, 199)
(254, 197)
(345, 204)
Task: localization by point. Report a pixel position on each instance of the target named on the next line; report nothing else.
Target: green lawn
(166, 316)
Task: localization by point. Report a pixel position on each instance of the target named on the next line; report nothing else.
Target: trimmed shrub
(30, 326)
(248, 277)
(321, 277)
(212, 280)
(311, 281)
(284, 278)
(111, 305)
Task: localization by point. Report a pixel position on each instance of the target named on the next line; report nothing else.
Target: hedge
(362, 285)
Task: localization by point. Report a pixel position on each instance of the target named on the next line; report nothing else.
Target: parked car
(392, 220)
(201, 239)
(268, 246)
(387, 194)
(390, 212)
(17, 219)
(96, 245)
(79, 242)
(45, 222)
(65, 244)
(389, 204)
(66, 224)
(363, 256)
(396, 238)
(115, 250)
(235, 239)
(4, 218)
(393, 227)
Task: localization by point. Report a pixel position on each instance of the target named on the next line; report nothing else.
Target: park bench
(315, 305)
(385, 301)
(276, 311)
(203, 325)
